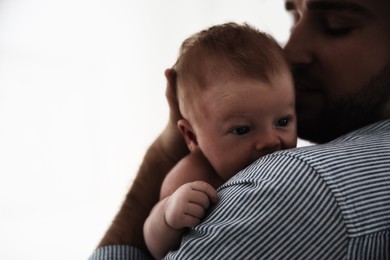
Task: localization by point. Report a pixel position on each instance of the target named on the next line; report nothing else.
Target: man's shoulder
(355, 168)
(362, 152)
(360, 147)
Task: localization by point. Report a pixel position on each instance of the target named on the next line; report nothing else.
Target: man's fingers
(170, 75)
(170, 93)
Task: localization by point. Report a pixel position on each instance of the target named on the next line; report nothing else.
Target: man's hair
(230, 49)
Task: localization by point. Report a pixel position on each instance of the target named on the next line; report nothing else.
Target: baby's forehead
(229, 86)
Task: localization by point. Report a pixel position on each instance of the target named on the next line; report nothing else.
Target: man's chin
(317, 130)
(325, 128)
(306, 133)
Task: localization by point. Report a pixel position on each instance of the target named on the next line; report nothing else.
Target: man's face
(340, 55)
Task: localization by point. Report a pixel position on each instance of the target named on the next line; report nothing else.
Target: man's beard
(370, 104)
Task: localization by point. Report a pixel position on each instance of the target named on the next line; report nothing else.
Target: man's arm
(164, 153)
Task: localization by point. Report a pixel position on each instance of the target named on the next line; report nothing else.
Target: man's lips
(306, 80)
(306, 93)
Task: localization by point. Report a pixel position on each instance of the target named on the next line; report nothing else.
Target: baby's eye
(283, 122)
(241, 130)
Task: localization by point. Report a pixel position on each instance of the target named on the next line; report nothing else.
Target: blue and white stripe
(321, 202)
(327, 201)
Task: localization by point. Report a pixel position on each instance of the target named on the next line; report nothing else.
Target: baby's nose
(268, 143)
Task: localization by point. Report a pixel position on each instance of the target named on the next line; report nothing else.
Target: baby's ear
(188, 133)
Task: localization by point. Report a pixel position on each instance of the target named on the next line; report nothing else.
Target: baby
(236, 96)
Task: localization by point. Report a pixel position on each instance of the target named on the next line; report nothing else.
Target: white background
(81, 98)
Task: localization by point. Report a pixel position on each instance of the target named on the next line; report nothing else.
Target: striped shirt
(329, 201)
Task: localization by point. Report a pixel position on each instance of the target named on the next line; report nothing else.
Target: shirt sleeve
(119, 252)
(277, 208)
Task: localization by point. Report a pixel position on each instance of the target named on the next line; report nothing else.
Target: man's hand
(172, 143)
(170, 94)
(162, 155)
(187, 206)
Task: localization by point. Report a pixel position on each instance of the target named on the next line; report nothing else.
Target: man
(327, 201)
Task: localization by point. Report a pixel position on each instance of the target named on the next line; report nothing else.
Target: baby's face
(245, 119)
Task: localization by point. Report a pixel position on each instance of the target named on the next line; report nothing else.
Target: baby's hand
(188, 204)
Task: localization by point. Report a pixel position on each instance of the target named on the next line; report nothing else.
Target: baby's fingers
(193, 215)
(195, 210)
(205, 193)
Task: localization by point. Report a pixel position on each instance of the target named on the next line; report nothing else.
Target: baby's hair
(228, 49)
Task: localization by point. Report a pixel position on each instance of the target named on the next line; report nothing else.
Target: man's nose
(299, 47)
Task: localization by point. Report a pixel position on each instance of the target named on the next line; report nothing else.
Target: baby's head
(223, 52)
(236, 95)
